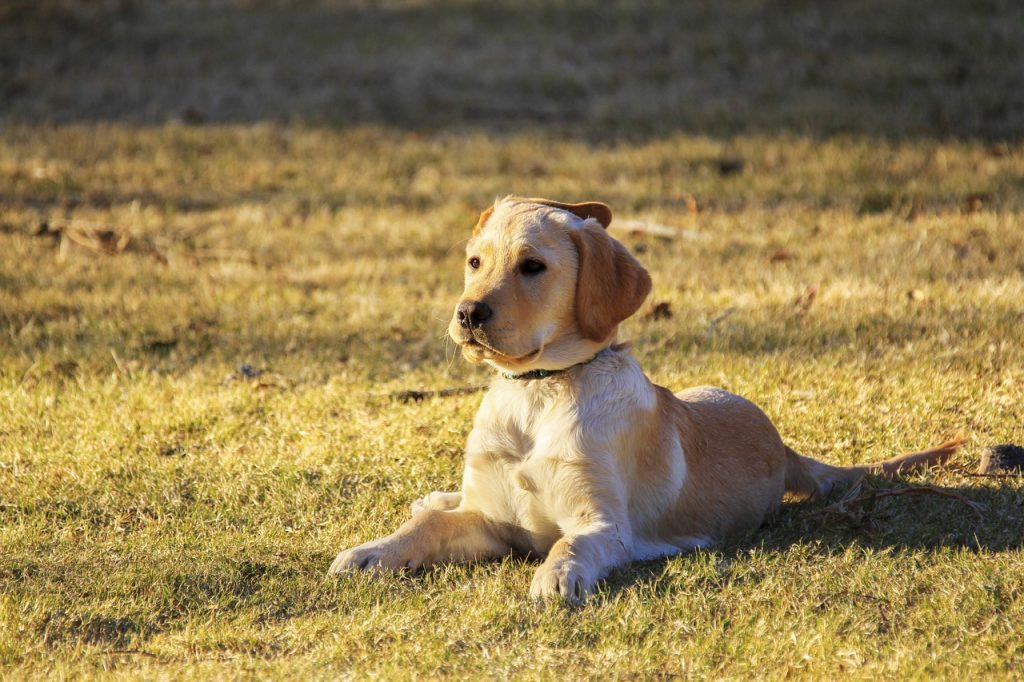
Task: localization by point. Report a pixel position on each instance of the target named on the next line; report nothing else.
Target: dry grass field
(232, 231)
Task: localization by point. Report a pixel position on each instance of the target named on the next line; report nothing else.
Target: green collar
(545, 373)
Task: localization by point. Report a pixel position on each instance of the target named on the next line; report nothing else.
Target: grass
(165, 512)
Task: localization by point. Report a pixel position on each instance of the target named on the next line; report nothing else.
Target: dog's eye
(532, 266)
(474, 262)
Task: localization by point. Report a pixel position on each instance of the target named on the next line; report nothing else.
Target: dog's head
(546, 286)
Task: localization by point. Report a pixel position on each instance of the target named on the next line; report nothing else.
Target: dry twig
(856, 497)
(416, 396)
(126, 652)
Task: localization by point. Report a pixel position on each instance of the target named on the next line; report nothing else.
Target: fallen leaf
(659, 311)
(249, 372)
(161, 345)
(44, 230)
(193, 116)
(65, 368)
(731, 166)
(999, 150)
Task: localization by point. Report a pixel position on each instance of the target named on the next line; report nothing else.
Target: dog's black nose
(473, 313)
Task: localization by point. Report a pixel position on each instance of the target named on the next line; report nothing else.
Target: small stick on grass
(126, 652)
(855, 497)
(120, 366)
(416, 396)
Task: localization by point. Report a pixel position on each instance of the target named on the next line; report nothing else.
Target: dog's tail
(808, 478)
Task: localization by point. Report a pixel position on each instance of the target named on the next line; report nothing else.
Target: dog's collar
(545, 373)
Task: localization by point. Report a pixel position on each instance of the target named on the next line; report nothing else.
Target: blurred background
(318, 163)
(604, 70)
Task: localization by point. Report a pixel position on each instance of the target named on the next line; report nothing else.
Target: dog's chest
(513, 464)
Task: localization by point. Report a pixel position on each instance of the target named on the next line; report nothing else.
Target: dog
(575, 455)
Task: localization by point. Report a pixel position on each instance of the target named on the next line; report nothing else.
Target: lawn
(231, 235)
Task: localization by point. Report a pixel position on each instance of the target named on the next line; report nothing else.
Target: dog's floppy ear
(611, 284)
(483, 220)
(588, 209)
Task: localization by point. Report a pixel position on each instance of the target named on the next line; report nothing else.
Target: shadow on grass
(600, 70)
(900, 525)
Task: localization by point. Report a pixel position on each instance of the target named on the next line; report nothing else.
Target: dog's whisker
(460, 242)
(445, 340)
(449, 342)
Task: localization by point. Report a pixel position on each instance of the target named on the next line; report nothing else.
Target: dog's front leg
(577, 561)
(429, 537)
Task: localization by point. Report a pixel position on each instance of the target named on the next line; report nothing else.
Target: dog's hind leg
(646, 550)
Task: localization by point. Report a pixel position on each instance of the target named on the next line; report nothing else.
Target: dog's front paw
(437, 500)
(562, 579)
(384, 554)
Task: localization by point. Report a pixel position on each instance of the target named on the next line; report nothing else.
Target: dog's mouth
(484, 349)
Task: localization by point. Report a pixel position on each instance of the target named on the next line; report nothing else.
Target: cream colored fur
(595, 466)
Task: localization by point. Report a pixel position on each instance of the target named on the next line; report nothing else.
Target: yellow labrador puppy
(575, 455)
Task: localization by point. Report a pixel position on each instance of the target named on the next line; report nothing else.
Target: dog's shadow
(987, 517)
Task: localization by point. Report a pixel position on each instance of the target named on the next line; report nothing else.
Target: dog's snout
(473, 313)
